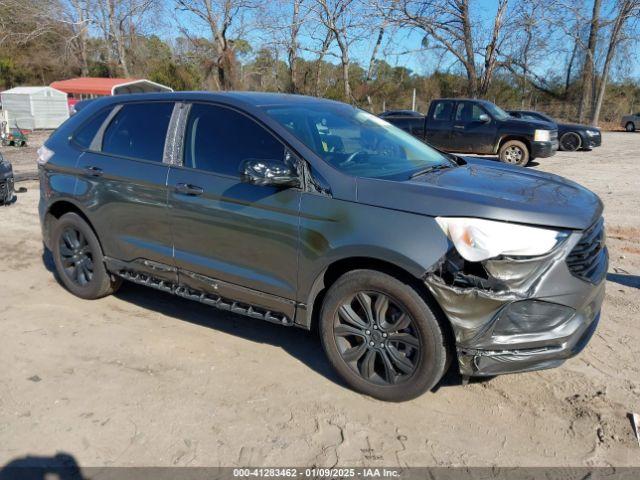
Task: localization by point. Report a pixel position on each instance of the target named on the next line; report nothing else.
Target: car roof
(254, 99)
(406, 113)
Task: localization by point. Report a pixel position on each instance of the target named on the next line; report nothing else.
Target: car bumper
(544, 149)
(6, 185)
(592, 142)
(542, 315)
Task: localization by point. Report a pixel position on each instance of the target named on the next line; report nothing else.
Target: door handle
(459, 127)
(188, 189)
(93, 171)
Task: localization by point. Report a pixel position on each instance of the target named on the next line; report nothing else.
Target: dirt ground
(144, 378)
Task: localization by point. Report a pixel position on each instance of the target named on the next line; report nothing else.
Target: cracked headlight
(542, 135)
(477, 239)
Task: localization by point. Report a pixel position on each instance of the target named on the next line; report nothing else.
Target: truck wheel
(381, 337)
(570, 142)
(514, 152)
(78, 258)
(630, 127)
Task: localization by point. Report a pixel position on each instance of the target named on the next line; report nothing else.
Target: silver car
(631, 123)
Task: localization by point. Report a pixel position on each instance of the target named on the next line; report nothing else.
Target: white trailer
(32, 108)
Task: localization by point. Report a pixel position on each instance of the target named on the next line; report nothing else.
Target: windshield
(495, 111)
(356, 142)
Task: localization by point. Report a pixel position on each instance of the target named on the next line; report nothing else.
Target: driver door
(470, 133)
(223, 229)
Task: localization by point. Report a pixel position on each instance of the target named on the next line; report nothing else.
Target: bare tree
(627, 11)
(340, 19)
(32, 21)
(450, 25)
(77, 14)
(587, 76)
(224, 19)
(119, 21)
(491, 50)
(282, 22)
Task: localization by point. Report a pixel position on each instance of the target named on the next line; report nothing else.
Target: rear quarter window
(138, 131)
(86, 133)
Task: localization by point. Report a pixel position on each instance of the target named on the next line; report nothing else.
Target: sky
(425, 62)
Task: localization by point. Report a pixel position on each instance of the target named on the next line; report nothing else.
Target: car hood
(539, 124)
(576, 126)
(487, 189)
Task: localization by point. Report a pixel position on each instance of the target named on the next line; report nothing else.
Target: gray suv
(315, 214)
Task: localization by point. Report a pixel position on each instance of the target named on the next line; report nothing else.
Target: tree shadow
(62, 466)
(301, 344)
(632, 281)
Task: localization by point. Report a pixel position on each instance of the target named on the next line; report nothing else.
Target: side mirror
(268, 172)
(484, 118)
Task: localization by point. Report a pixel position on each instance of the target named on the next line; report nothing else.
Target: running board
(216, 301)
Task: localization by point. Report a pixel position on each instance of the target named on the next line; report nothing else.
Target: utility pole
(413, 102)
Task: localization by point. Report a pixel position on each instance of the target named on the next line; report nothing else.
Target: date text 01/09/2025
(317, 472)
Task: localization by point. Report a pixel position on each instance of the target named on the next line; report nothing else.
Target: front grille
(554, 135)
(585, 260)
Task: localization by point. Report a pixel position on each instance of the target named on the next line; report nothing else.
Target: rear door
(438, 124)
(231, 236)
(469, 133)
(122, 182)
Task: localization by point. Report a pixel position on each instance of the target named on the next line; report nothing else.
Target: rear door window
(219, 139)
(442, 111)
(138, 131)
(85, 134)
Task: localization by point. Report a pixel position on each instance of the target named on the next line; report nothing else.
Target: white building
(30, 108)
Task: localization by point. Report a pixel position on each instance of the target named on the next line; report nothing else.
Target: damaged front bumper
(520, 314)
(6, 182)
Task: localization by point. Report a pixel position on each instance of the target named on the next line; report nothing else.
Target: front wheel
(570, 142)
(381, 337)
(78, 258)
(514, 152)
(630, 127)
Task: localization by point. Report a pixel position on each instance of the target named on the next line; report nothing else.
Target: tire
(409, 351)
(78, 258)
(630, 127)
(514, 152)
(570, 142)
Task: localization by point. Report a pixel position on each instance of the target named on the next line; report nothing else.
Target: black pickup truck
(480, 127)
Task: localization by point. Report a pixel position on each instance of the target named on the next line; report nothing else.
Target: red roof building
(89, 87)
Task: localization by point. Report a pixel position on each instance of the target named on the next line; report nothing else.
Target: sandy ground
(144, 378)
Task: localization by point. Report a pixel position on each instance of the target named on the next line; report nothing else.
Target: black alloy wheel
(76, 256)
(570, 142)
(377, 338)
(382, 335)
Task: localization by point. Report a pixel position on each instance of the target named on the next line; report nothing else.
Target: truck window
(468, 112)
(442, 111)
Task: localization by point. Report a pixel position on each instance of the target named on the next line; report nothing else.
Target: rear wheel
(570, 142)
(630, 127)
(381, 337)
(78, 259)
(514, 152)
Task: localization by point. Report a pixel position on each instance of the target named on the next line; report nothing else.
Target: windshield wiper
(432, 168)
